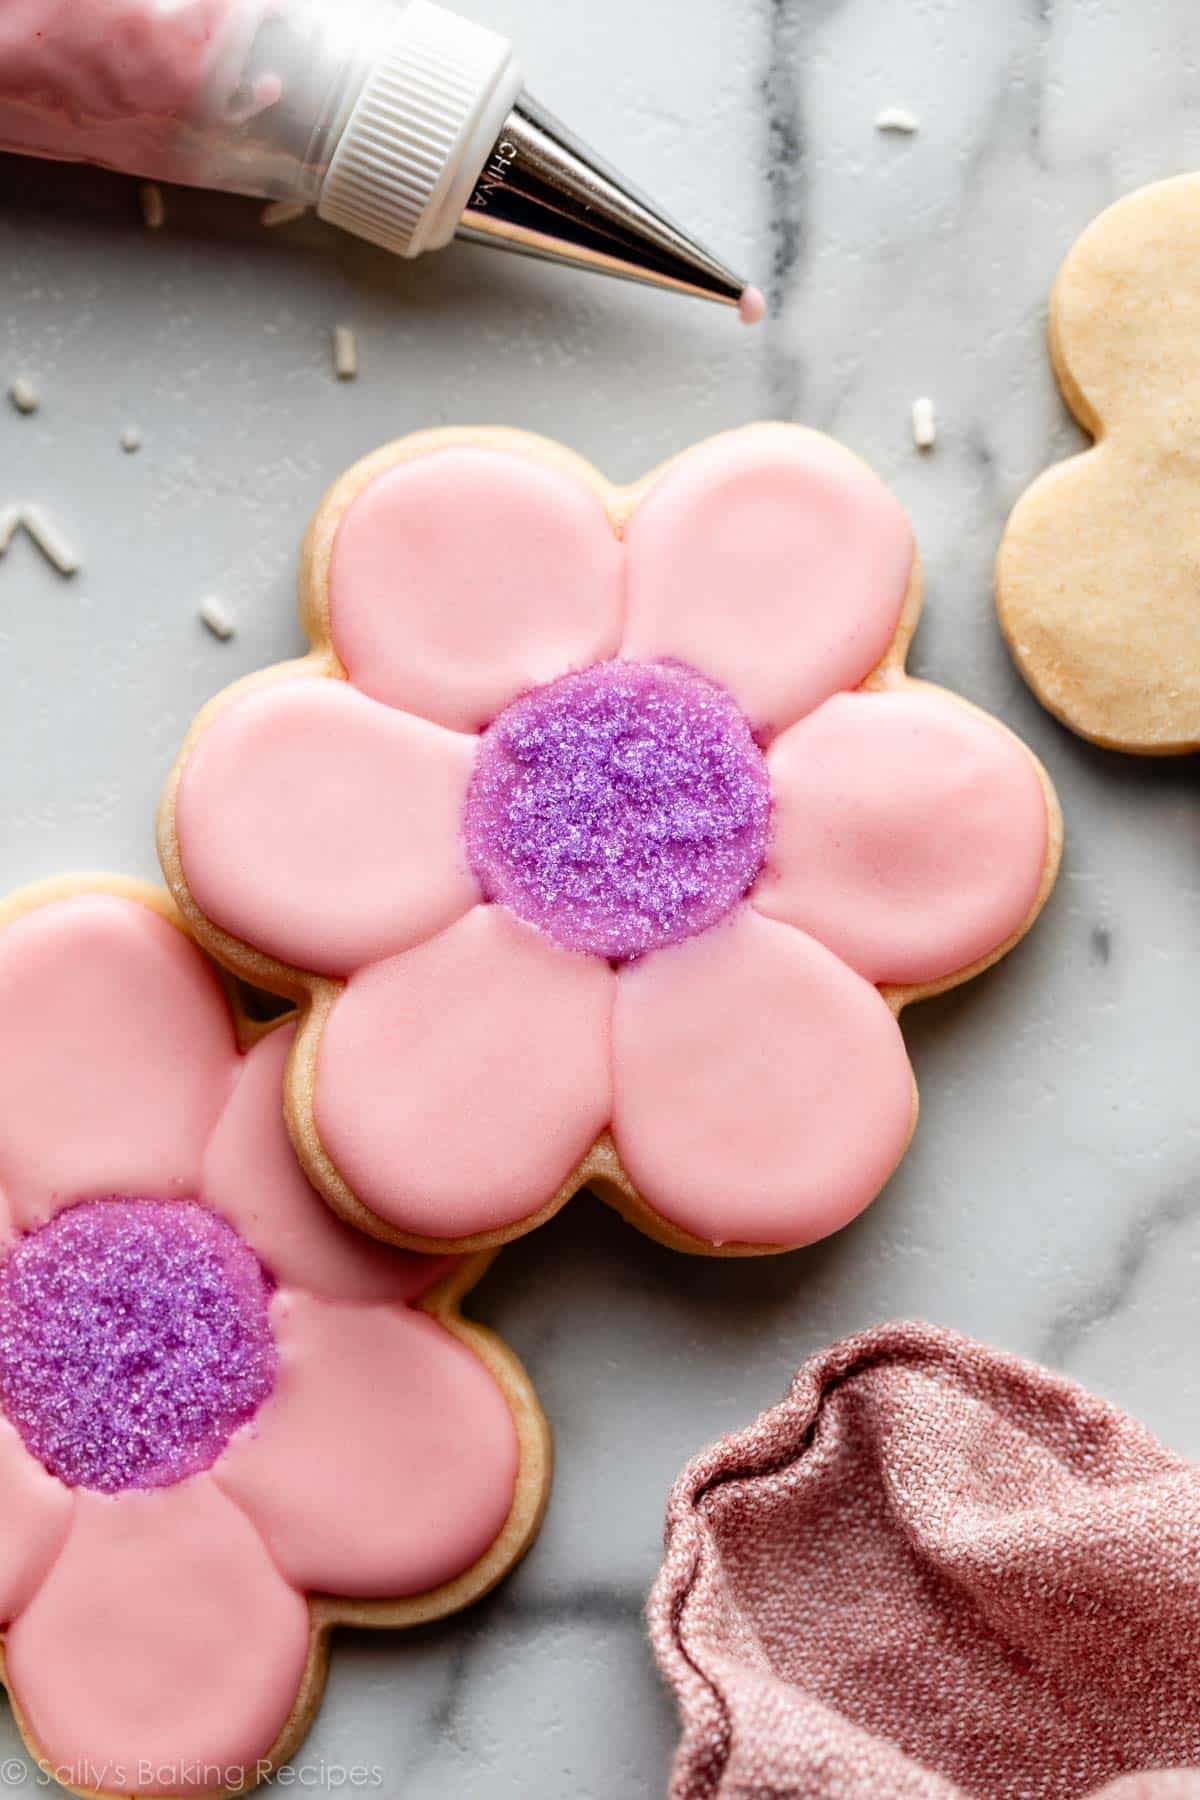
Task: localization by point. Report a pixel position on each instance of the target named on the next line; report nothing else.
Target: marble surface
(1050, 1202)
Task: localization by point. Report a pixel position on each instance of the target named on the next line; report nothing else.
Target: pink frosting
(378, 865)
(403, 1416)
(776, 564)
(857, 855)
(103, 1091)
(459, 1081)
(164, 1634)
(716, 1041)
(476, 1067)
(36, 1510)
(147, 1629)
(752, 307)
(250, 1174)
(104, 81)
(416, 622)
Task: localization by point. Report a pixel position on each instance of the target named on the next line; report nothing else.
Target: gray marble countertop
(1051, 1200)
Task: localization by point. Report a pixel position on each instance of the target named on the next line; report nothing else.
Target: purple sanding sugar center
(619, 809)
(134, 1341)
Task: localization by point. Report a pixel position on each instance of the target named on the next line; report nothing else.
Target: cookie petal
(775, 562)
(909, 833)
(163, 1635)
(762, 1090)
(385, 1461)
(458, 1085)
(35, 1513)
(460, 578)
(324, 829)
(117, 1054)
(251, 1175)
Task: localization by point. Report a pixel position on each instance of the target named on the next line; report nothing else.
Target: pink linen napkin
(933, 1572)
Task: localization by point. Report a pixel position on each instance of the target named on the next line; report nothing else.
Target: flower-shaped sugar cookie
(219, 1407)
(1098, 578)
(603, 837)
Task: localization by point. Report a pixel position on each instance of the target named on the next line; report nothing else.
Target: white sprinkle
(283, 212)
(10, 519)
(345, 353)
(23, 395)
(897, 118)
(50, 541)
(154, 207)
(131, 439)
(216, 615)
(924, 423)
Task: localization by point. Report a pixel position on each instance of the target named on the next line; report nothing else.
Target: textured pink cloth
(933, 1571)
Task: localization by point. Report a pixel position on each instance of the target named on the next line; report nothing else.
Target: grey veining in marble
(1051, 1200)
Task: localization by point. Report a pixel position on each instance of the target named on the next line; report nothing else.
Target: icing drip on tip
(752, 307)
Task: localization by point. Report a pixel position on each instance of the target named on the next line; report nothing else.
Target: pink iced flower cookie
(227, 1423)
(603, 837)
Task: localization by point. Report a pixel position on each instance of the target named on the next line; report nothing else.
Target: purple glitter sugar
(134, 1341)
(619, 809)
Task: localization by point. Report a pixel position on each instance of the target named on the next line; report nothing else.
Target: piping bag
(396, 120)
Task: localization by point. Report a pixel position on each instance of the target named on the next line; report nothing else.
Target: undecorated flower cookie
(1098, 580)
(227, 1422)
(602, 838)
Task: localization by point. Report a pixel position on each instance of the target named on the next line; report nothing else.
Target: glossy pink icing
(378, 864)
(752, 1062)
(104, 81)
(393, 1502)
(163, 1634)
(117, 1052)
(456, 1081)
(862, 855)
(775, 563)
(37, 1511)
(456, 1094)
(752, 307)
(250, 1174)
(153, 1627)
(461, 578)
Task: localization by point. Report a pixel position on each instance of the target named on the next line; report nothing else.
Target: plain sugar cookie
(1098, 577)
(227, 1422)
(602, 838)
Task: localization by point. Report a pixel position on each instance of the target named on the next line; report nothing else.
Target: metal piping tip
(542, 193)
